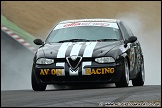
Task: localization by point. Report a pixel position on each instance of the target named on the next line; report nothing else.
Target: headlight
(45, 61)
(105, 60)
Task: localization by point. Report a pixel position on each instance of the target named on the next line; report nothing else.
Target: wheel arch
(125, 56)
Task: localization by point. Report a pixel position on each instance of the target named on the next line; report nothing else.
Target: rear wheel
(139, 80)
(35, 85)
(124, 80)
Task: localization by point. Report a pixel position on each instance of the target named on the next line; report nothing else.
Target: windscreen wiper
(74, 40)
(107, 40)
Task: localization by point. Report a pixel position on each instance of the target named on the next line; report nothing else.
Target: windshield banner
(75, 24)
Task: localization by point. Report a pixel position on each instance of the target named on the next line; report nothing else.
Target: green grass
(17, 30)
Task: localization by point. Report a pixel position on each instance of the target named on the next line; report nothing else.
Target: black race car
(88, 51)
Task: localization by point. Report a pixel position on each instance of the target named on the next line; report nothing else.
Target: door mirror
(38, 42)
(130, 40)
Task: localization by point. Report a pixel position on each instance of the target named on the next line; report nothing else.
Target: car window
(128, 29)
(125, 32)
(84, 32)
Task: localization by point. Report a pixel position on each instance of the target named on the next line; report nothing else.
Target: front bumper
(47, 74)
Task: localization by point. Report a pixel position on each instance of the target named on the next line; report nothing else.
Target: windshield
(84, 33)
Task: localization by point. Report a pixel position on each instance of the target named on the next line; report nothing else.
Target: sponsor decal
(90, 71)
(86, 24)
(75, 24)
(90, 20)
(51, 71)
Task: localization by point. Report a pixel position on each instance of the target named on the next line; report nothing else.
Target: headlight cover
(105, 60)
(45, 61)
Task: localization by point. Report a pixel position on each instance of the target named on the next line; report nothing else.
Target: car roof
(90, 20)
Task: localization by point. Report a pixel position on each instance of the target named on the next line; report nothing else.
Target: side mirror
(38, 42)
(130, 40)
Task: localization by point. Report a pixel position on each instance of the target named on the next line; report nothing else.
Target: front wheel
(124, 80)
(35, 85)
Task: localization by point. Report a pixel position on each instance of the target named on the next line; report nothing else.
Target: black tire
(35, 85)
(124, 80)
(139, 80)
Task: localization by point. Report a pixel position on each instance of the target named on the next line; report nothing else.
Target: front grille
(74, 63)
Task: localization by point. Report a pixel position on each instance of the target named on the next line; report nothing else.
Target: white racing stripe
(89, 49)
(76, 48)
(88, 53)
(62, 49)
(75, 51)
(61, 54)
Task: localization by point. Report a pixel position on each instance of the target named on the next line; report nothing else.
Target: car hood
(83, 49)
